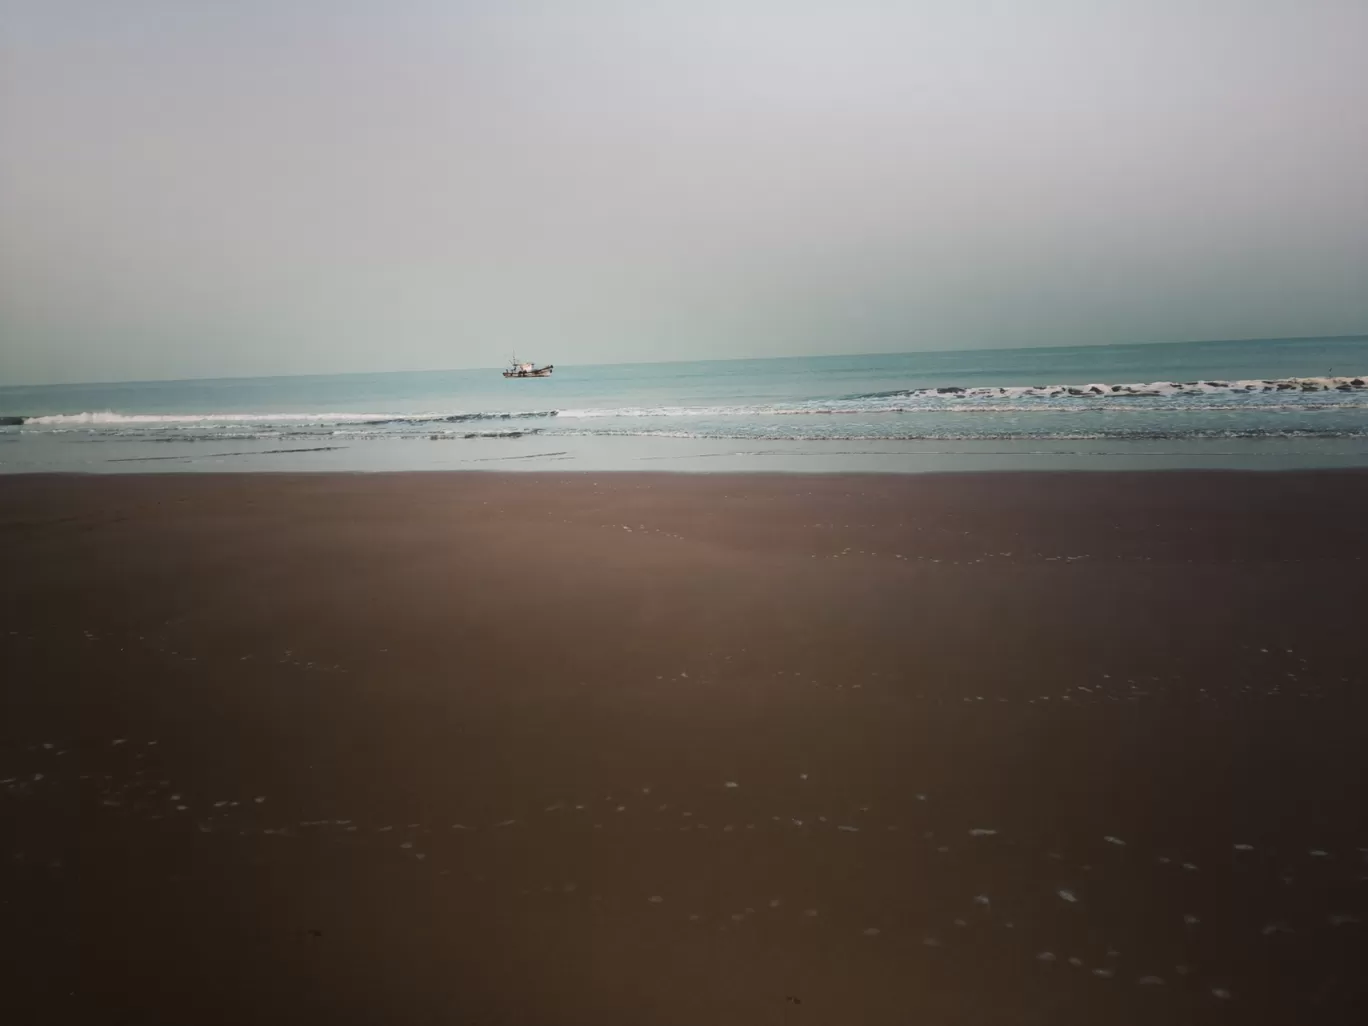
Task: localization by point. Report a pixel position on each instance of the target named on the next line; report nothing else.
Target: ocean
(1277, 403)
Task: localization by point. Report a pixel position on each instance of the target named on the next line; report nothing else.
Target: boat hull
(538, 372)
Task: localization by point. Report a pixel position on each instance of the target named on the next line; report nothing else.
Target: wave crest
(1268, 395)
(113, 419)
(1095, 390)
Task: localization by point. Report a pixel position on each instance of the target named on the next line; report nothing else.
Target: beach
(678, 749)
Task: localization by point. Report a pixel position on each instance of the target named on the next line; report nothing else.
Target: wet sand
(670, 749)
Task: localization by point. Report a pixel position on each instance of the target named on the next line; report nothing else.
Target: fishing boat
(527, 370)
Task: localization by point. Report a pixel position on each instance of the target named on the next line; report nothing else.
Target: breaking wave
(1272, 408)
(1147, 389)
(110, 418)
(1119, 434)
(836, 432)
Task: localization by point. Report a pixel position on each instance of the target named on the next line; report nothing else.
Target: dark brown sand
(684, 750)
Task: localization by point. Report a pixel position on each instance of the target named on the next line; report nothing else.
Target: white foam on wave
(1095, 390)
(1016, 399)
(425, 420)
(112, 418)
(1262, 396)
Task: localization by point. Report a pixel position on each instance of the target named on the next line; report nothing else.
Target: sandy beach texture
(633, 749)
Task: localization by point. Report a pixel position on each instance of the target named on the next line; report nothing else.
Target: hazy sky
(197, 188)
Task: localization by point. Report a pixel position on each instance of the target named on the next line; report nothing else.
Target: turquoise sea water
(1292, 402)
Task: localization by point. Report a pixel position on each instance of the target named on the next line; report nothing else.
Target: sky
(192, 188)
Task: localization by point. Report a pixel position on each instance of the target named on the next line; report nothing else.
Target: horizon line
(723, 359)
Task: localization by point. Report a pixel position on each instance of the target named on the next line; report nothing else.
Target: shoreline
(537, 453)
